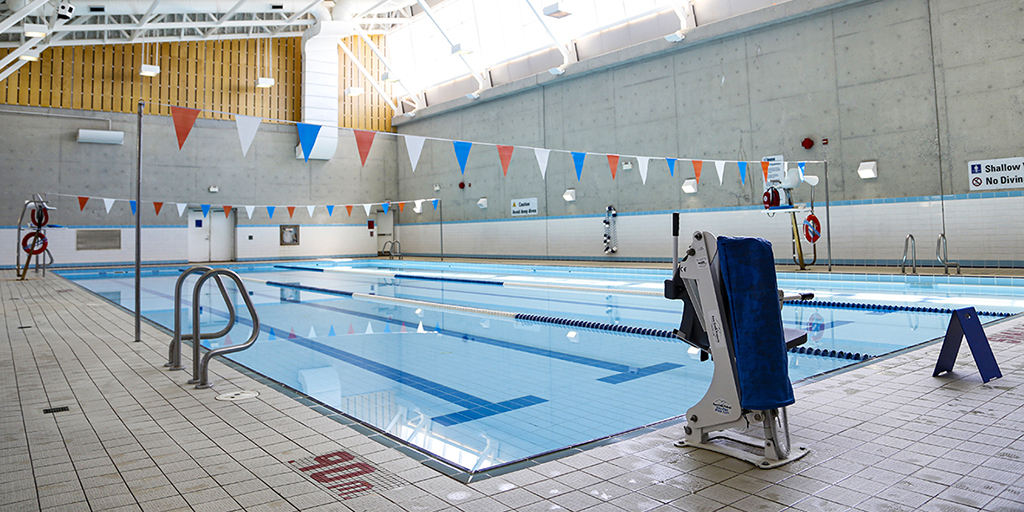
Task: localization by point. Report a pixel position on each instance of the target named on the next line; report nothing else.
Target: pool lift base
(768, 453)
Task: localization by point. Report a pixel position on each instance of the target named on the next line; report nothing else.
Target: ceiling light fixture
(690, 186)
(354, 91)
(389, 78)
(868, 170)
(263, 82)
(556, 11)
(473, 96)
(149, 70)
(675, 37)
(569, 195)
(35, 30)
(457, 49)
(31, 55)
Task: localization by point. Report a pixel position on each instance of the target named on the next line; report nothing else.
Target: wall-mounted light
(437, 187)
(354, 91)
(573, 336)
(473, 96)
(263, 82)
(627, 166)
(569, 195)
(457, 49)
(389, 77)
(149, 70)
(675, 37)
(482, 203)
(556, 71)
(31, 55)
(690, 186)
(35, 30)
(868, 170)
(100, 136)
(556, 10)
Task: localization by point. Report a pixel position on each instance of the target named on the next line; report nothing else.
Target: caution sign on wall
(997, 174)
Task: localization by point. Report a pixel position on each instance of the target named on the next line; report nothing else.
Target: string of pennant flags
(108, 203)
(184, 118)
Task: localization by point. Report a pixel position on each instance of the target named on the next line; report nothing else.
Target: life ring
(38, 220)
(37, 245)
(816, 326)
(812, 228)
(771, 198)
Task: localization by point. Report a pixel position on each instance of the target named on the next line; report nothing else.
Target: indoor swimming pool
(479, 388)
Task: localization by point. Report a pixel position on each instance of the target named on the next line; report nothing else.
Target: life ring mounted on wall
(34, 243)
(771, 198)
(812, 228)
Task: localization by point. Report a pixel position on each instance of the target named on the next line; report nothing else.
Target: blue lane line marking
(642, 372)
(488, 410)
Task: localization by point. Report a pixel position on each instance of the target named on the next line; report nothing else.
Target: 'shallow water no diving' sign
(521, 207)
(996, 174)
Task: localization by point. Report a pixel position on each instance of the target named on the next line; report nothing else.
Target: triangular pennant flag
(720, 167)
(307, 137)
(349, 208)
(671, 166)
(419, 206)
(247, 127)
(292, 335)
(387, 327)
(157, 206)
(249, 210)
(505, 154)
(227, 211)
(331, 332)
(330, 210)
(183, 118)
(435, 203)
(181, 208)
(577, 160)
(542, 160)
(420, 329)
(764, 171)
(403, 328)
(107, 203)
(312, 333)
(613, 164)
(364, 140)
(414, 145)
(369, 328)
(367, 208)
(641, 164)
(272, 335)
(291, 211)
(385, 206)
(697, 166)
(227, 340)
(309, 208)
(206, 209)
(401, 207)
(81, 202)
(801, 165)
(462, 153)
(351, 329)
(132, 204)
(270, 211)
(437, 327)
(743, 172)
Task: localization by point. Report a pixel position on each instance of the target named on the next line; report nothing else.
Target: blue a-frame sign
(964, 322)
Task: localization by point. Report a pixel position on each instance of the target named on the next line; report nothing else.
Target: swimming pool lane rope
(887, 307)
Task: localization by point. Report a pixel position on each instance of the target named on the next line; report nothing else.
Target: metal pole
(138, 232)
(440, 213)
(828, 220)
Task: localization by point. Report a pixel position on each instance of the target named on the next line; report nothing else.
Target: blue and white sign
(521, 207)
(997, 174)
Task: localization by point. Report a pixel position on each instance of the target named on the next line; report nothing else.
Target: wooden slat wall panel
(217, 76)
(368, 111)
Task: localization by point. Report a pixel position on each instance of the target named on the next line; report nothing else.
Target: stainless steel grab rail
(174, 351)
(910, 243)
(392, 249)
(201, 368)
(940, 246)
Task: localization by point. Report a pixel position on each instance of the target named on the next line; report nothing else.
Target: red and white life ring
(40, 217)
(771, 198)
(34, 243)
(812, 228)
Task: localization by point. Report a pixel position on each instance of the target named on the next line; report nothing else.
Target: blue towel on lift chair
(759, 344)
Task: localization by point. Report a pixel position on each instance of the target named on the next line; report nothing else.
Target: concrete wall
(920, 86)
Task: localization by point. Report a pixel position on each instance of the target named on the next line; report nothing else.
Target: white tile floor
(885, 437)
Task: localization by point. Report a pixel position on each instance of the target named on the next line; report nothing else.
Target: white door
(385, 228)
(211, 238)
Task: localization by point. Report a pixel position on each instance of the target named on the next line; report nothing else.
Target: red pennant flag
(697, 165)
(403, 327)
(291, 335)
(351, 330)
(349, 208)
(81, 202)
(157, 206)
(613, 164)
(764, 170)
(364, 139)
(227, 211)
(291, 211)
(505, 153)
(401, 207)
(184, 118)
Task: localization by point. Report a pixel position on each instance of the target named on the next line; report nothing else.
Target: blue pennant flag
(272, 336)
(330, 210)
(385, 206)
(387, 328)
(462, 153)
(270, 211)
(435, 203)
(206, 209)
(437, 327)
(332, 331)
(671, 166)
(577, 159)
(307, 137)
(743, 172)
(133, 206)
(801, 165)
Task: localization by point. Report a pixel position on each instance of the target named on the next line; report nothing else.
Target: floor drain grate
(56, 409)
(24, 327)
(235, 396)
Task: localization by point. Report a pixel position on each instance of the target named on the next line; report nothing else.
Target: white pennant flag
(310, 210)
(542, 160)
(641, 163)
(720, 167)
(249, 210)
(414, 145)
(247, 126)
(312, 333)
(367, 208)
(181, 208)
(107, 203)
(420, 328)
(369, 330)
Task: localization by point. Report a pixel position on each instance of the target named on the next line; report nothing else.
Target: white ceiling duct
(141, 7)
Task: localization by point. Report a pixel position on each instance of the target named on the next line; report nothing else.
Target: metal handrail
(940, 246)
(396, 250)
(202, 368)
(910, 243)
(384, 249)
(174, 351)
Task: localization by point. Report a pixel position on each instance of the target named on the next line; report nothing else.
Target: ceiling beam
(146, 18)
(13, 19)
(366, 74)
(291, 19)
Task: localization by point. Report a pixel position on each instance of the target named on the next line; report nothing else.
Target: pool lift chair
(732, 315)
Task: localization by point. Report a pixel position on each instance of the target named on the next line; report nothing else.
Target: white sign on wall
(521, 207)
(776, 169)
(996, 174)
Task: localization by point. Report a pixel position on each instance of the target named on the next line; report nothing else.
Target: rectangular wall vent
(97, 8)
(97, 239)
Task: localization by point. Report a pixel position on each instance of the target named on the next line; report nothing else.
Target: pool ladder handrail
(909, 243)
(395, 249)
(943, 256)
(174, 351)
(201, 368)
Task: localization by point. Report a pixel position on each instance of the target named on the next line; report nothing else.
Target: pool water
(479, 390)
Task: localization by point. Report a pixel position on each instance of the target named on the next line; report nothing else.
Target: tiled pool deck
(884, 437)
